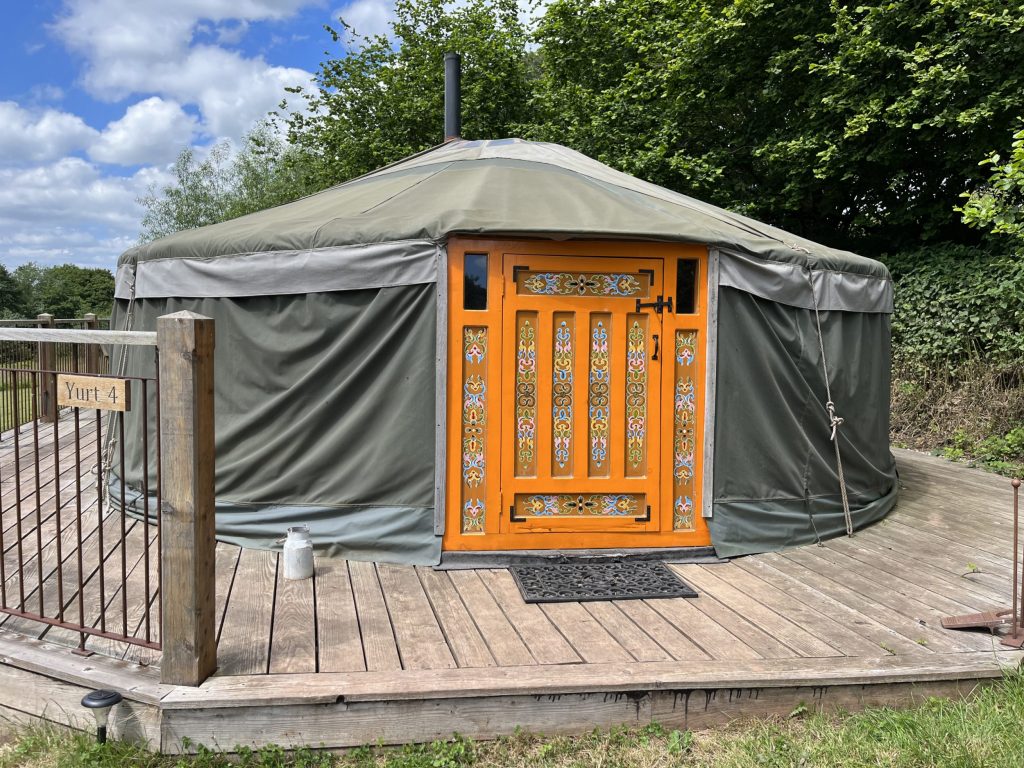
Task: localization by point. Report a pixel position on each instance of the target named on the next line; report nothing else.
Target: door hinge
(512, 515)
(646, 518)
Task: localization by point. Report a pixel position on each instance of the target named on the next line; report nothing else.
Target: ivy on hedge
(955, 303)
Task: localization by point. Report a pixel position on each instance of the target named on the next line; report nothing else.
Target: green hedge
(956, 303)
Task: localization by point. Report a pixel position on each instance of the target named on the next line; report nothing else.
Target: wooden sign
(93, 392)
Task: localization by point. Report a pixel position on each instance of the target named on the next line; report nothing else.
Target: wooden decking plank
(293, 638)
(746, 631)
(504, 643)
(379, 646)
(226, 558)
(835, 633)
(545, 642)
(126, 599)
(228, 692)
(716, 581)
(877, 554)
(45, 519)
(950, 557)
(914, 628)
(678, 645)
(28, 576)
(790, 581)
(27, 484)
(620, 626)
(998, 550)
(934, 511)
(421, 642)
(137, 653)
(244, 647)
(710, 636)
(91, 561)
(339, 646)
(900, 602)
(589, 639)
(464, 639)
(897, 582)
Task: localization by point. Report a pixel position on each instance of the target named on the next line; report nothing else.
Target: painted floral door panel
(574, 395)
(580, 382)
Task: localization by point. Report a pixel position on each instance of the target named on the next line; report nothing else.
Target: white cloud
(368, 18)
(33, 136)
(151, 131)
(150, 48)
(69, 210)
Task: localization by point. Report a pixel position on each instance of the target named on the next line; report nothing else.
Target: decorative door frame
(469, 360)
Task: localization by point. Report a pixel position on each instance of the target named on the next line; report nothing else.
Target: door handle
(655, 355)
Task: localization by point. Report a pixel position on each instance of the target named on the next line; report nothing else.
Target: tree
(71, 291)
(264, 172)
(856, 124)
(384, 99)
(999, 205)
(12, 300)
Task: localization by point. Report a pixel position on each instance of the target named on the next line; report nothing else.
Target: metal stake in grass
(993, 620)
(1016, 637)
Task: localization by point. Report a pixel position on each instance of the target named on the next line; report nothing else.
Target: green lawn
(982, 731)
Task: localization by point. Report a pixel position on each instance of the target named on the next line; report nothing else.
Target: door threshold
(459, 560)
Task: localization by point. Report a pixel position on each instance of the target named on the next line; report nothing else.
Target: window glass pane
(474, 291)
(686, 287)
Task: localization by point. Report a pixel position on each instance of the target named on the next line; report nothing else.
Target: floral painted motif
(474, 423)
(561, 394)
(526, 396)
(636, 393)
(599, 394)
(570, 505)
(683, 437)
(475, 343)
(473, 419)
(682, 514)
(583, 284)
(473, 516)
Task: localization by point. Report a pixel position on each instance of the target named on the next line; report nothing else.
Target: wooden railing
(45, 563)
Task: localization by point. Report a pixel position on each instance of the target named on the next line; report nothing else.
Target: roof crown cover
(502, 187)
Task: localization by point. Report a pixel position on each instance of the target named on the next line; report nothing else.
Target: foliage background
(894, 128)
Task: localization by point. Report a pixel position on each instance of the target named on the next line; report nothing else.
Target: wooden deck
(945, 550)
(322, 661)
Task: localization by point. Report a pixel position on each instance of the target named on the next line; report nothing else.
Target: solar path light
(101, 702)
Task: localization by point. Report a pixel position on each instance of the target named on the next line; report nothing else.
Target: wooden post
(188, 638)
(92, 351)
(47, 381)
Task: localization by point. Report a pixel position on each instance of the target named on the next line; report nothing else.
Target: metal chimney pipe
(452, 97)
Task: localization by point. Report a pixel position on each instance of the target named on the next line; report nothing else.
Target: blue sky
(97, 98)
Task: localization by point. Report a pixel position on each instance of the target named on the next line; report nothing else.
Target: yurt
(508, 348)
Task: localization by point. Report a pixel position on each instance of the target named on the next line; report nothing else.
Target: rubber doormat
(582, 582)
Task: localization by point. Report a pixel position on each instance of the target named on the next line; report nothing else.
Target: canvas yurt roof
(507, 186)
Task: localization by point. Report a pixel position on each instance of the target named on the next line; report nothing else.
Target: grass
(981, 731)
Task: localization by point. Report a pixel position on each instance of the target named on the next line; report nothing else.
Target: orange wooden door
(581, 394)
(563, 425)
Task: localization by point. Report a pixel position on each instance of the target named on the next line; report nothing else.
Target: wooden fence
(69, 548)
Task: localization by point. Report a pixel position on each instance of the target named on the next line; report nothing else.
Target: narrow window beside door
(475, 286)
(686, 287)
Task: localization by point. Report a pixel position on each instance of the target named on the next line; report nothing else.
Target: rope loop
(834, 421)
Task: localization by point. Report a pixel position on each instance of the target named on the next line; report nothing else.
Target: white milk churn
(298, 553)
